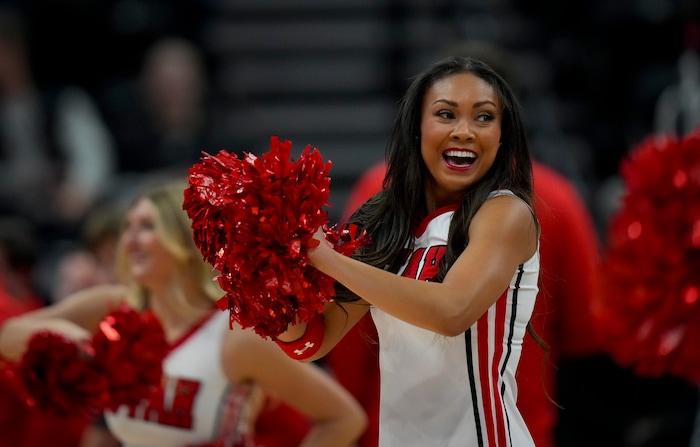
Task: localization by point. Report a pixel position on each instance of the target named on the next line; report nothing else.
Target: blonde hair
(173, 226)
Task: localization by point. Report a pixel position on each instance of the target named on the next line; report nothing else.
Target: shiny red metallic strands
(119, 365)
(253, 219)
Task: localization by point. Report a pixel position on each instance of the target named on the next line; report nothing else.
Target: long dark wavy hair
(391, 216)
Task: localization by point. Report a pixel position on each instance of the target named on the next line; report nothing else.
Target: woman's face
(149, 260)
(460, 134)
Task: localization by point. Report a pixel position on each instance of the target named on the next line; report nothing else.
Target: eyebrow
(454, 104)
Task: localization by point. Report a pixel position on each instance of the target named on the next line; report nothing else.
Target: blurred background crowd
(99, 97)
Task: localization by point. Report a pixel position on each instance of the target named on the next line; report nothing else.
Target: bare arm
(76, 317)
(502, 236)
(97, 434)
(339, 319)
(338, 420)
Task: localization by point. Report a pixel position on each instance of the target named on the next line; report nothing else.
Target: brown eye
(485, 117)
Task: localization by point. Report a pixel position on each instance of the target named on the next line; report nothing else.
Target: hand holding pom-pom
(134, 345)
(253, 220)
(59, 376)
(119, 365)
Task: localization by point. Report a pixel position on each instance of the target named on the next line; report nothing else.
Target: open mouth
(459, 158)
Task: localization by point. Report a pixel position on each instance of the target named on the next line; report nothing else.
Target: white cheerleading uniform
(196, 405)
(439, 391)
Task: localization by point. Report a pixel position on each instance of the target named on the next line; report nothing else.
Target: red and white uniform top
(454, 391)
(196, 404)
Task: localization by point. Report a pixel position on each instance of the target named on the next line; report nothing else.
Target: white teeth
(461, 154)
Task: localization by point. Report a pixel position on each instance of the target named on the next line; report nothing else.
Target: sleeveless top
(454, 391)
(196, 405)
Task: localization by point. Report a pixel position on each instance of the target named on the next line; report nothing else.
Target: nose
(462, 131)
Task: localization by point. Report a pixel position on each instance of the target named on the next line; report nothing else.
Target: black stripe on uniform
(472, 387)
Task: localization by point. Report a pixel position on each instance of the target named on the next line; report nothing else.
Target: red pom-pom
(120, 365)
(130, 348)
(346, 239)
(253, 220)
(650, 310)
(60, 377)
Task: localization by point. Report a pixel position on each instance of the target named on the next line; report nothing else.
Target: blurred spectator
(19, 252)
(21, 425)
(165, 118)
(676, 111)
(678, 106)
(91, 262)
(56, 154)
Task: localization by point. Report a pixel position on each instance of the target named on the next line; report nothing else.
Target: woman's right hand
(15, 334)
(66, 328)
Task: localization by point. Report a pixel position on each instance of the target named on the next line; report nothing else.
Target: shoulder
(505, 203)
(506, 220)
(503, 210)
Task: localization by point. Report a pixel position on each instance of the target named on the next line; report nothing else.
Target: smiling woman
(216, 381)
(450, 276)
(460, 130)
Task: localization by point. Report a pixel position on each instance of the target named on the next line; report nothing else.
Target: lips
(459, 158)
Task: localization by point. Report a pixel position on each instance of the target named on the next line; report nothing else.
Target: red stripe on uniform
(501, 429)
(482, 330)
(496, 429)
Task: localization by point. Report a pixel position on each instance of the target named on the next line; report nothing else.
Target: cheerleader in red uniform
(216, 380)
(450, 275)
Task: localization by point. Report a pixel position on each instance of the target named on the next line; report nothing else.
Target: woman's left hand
(316, 254)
